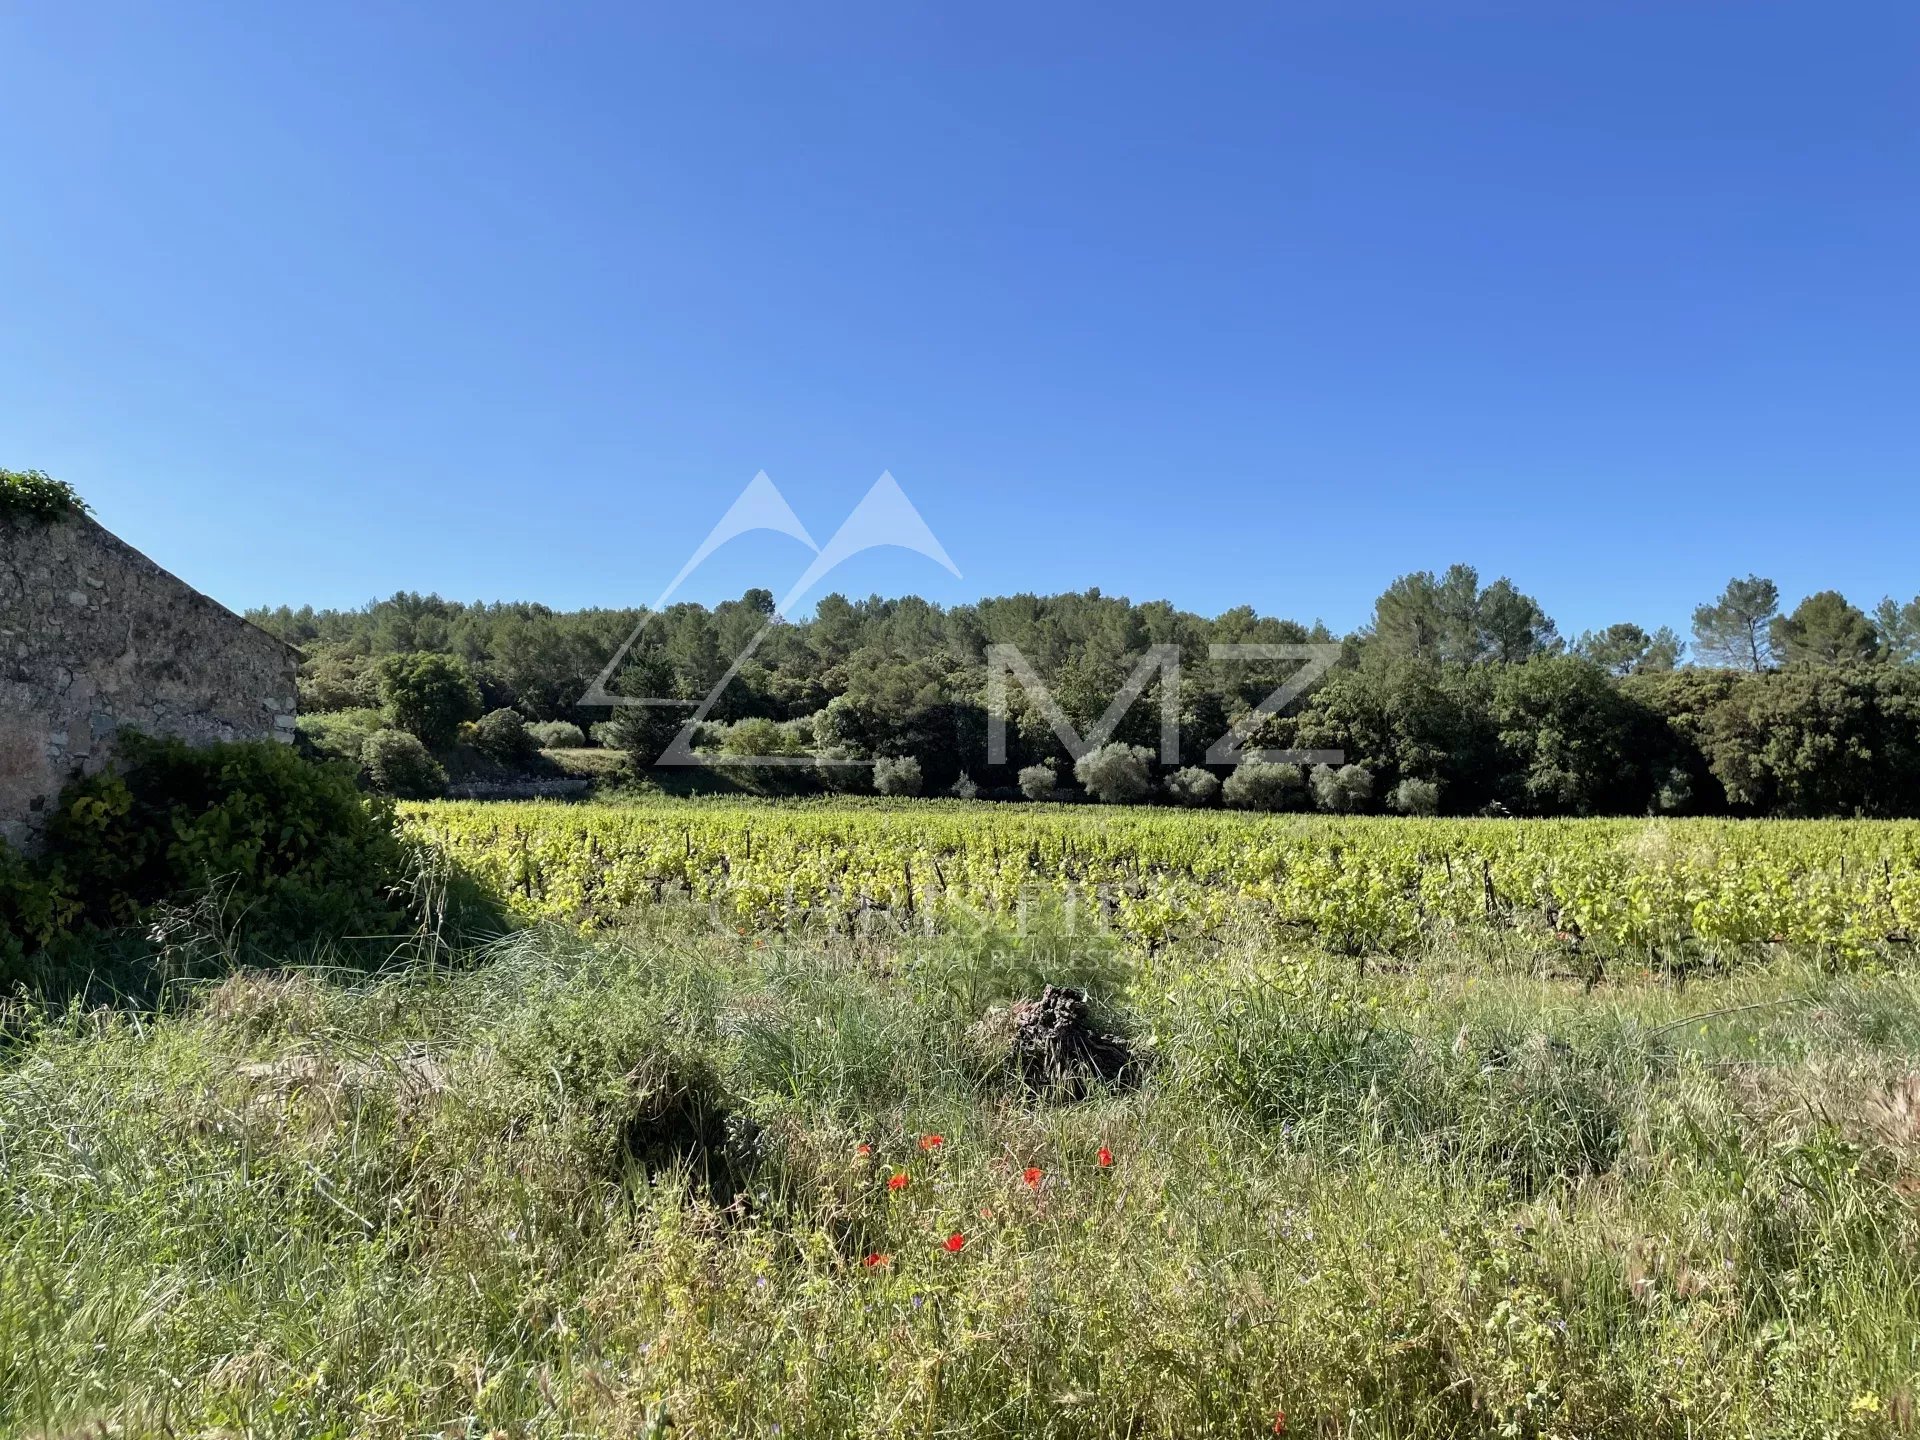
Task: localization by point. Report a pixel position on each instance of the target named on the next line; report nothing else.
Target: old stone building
(94, 638)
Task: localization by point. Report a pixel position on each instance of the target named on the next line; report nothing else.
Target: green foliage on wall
(38, 496)
(278, 850)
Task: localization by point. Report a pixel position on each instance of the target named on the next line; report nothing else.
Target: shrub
(1260, 785)
(36, 907)
(397, 764)
(1038, 782)
(1342, 791)
(643, 731)
(897, 775)
(339, 735)
(965, 788)
(502, 735)
(1415, 797)
(1193, 786)
(1115, 773)
(331, 680)
(38, 496)
(841, 727)
(557, 735)
(756, 736)
(290, 850)
(428, 696)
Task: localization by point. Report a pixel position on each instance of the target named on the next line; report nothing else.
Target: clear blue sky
(1224, 304)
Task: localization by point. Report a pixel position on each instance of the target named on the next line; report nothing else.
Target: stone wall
(95, 637)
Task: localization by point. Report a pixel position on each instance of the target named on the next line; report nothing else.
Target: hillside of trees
(1457, 695)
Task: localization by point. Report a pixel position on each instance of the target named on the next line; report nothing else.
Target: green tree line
(1462, 694)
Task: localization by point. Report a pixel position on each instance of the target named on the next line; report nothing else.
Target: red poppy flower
(877, 1260)
(955, 1243)
(1279, 1422)
(1105, 1157)
(896, 1182)
(863, 1148)
(1031, 1177)
(931, 1142)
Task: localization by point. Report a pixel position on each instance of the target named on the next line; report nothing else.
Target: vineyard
(1669, 892)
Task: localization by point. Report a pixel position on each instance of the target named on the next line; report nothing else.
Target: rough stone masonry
(94, 638)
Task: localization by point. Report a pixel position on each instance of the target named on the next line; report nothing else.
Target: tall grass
(617, 1187)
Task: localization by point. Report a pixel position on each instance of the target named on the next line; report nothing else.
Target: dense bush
(1414, 796)
(757, 736)
(1115, 773)
(897, 775)
(1342, 791)
(279, 849)
(1193, 786)
(1408, 716)
(339, 734)
(397, 764)
(1038, 782)
(339, 682)
(1805, 741)
(428, 696)
(642, 731)
(1260, 785)
(1568, 742)
(557, 735)
(501, 735)
(37, 907)
(1819, 740)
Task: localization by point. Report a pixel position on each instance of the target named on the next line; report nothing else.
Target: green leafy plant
(397, 764)
(283, 850)
(1193, 787)
(428, 696)
(1260, 785)
(557, 735)
(38, 496)
(1038, 782)
(897, 775)
(338, 734)
(502, 735)
(1115, 773)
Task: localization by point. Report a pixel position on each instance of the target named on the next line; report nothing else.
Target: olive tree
(897, 775)
(1262, 785)
(1193, 786)
(1115, 773)
(557, 735)
(1038, 782)
(1414, 796)
(1344, 790)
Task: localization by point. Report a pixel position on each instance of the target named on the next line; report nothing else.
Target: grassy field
(703, 1179)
